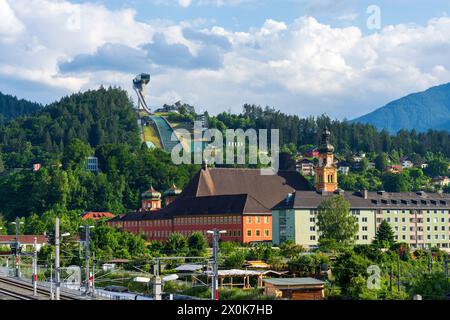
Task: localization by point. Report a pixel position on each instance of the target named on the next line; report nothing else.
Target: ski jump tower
(139, 84)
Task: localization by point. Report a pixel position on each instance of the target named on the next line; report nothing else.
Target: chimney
(364, 193)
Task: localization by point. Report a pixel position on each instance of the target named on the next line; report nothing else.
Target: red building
(235, 200)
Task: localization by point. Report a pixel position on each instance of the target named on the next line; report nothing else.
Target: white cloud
(10, 26)
(304, 67)
(184, 3)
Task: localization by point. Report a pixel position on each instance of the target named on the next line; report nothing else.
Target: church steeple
(326, 171)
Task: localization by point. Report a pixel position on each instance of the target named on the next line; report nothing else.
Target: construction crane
(139, 84)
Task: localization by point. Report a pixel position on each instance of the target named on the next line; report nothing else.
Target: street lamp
(215, 283)
(87, 228)
(58, 239)
(17, 223)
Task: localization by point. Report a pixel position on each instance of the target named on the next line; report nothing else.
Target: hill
(11, 107)
(420, 111)
(96, 117)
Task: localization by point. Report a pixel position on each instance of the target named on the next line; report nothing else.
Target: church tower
(150, 200)
(326, 171)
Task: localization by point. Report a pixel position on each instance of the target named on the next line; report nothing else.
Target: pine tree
(385, 235)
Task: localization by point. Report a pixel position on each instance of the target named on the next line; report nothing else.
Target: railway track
(16, 295)
(29, 288)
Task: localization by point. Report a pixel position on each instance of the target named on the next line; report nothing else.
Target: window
(266, 219)
(388, 219)
(312, 228)
(312, 238)
(258, 233)
(403, 228)
(258, 219)
(365, 228)
(364, 237)
(249, 219)
(266, 232)
(312, 220)
(395, 219)
(365, 219)
(249, 233)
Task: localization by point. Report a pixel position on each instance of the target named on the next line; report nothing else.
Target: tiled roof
(294, 281)
(381, 199)
(267, 189)
(24, 239)
(96, 215)
(209, 205)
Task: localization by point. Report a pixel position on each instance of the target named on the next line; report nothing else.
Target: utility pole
(446, 265)
(35, 267)
(157, 284)
(51, 277)
(17, 244)
(215, 278)
(429, 261)
(390, 279)
(57, 271)
(398, 274)
(93, 275)
(88, 284)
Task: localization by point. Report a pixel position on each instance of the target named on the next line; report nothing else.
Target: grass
(151, 135)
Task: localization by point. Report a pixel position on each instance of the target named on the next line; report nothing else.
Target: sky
(343, 58)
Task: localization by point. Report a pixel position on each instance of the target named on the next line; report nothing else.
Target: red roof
(97, 215)
(24, 238)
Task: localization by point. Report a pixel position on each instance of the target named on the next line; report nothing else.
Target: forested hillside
(346, 136)
(96, 117)
(11, 107)
(61, 136)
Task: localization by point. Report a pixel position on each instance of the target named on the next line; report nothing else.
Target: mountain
(421, 111)
(11, 107)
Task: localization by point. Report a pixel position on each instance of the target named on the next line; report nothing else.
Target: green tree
(197, 244)
(76, 153)
(385, 235)
(348, 266)
(396, 182)
(290, 249)
(381, 161)
(335, 221)
(177, 244)
(437, 167)
(433, 286)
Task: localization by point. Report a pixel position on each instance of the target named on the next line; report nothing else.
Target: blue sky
(303, 57)
(242, 15)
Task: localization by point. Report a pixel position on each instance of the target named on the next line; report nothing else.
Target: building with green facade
(420, 219)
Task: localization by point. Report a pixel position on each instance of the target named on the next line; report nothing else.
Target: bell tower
(326, 171)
